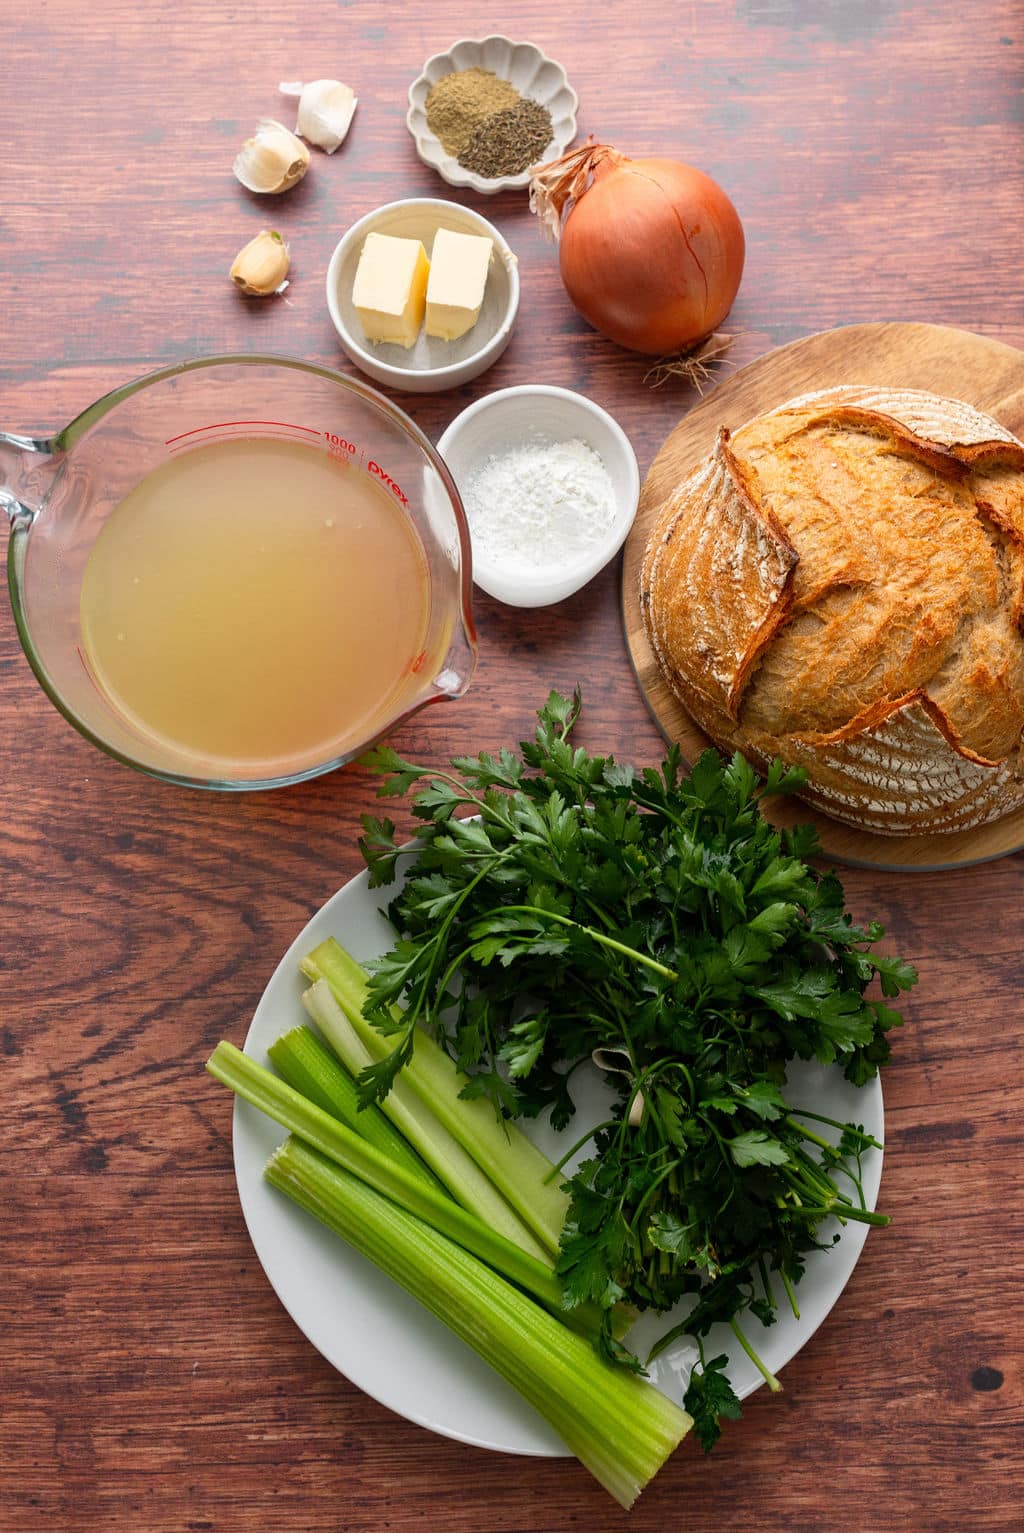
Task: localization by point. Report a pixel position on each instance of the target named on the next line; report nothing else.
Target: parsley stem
(438, 942)
(611, 1123)
(855, 1179)
(677, 1064)
(804, 1173)
(790, 1295)
(847, 1128)
(809, 1134)
(841, 1211)
(652, 1189)
(441, 988)
(590, 931)
(766, 1374)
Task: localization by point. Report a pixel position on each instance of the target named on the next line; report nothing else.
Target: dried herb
(458, 103)
(509, 141)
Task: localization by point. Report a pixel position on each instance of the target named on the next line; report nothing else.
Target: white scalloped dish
(533, 74)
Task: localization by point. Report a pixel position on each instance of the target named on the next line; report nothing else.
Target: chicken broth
(258, 606)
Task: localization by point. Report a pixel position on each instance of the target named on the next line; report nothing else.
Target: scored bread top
(842, 583)
(723, 541)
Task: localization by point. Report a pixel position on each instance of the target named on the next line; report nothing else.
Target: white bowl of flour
(550, 485)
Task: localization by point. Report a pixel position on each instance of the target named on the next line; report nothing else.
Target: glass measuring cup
(60, 491)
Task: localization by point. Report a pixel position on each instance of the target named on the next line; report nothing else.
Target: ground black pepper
(508, 142)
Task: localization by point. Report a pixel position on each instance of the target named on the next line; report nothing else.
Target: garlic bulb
(273, 160)
(260, 268)
(326, 108)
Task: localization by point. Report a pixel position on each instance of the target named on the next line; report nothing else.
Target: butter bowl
(430, 364)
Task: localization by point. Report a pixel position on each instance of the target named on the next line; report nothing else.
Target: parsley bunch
(661, 919)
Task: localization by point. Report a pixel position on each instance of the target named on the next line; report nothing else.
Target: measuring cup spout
(459, 664)
(27, 467)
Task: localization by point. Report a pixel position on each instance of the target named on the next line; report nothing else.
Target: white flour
(540, 503)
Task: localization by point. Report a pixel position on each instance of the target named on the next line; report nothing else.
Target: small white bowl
(537, 413)
(430, 364)
(531, 72)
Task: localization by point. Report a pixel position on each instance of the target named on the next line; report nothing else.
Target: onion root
(692, 365)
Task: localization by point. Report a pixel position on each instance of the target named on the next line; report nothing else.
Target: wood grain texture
(985, 373)
(151, 1380)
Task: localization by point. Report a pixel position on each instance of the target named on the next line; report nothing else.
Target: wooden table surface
(151, 1380)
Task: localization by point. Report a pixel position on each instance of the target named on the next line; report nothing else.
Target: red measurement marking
(222, 425)
(87, 668)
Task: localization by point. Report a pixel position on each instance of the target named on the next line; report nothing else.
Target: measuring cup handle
(27, 465)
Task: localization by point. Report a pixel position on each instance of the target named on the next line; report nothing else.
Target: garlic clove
(273, 160)
(260, 268)
(326, 109)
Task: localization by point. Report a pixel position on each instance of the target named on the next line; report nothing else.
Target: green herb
(592, 905)
(710, 1398)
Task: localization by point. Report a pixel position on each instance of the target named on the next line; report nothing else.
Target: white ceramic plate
(382, 1340)
(531, 72)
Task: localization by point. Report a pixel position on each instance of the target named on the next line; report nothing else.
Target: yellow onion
(651, 251)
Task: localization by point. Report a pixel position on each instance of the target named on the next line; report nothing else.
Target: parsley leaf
(710, 1398)
(755, 1148)
(524, 1045)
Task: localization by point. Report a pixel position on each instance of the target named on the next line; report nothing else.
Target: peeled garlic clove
(261, 267)
(326, 108)
(273, 160)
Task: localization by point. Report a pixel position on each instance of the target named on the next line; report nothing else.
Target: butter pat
(458, 278)
(390, 288)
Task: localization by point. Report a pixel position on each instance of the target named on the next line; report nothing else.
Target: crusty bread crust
(841, 584)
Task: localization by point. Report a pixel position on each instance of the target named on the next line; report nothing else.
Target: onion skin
(651, 254)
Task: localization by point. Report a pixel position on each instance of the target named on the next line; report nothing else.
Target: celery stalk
(620, 1427)
(412, 1117)
(249, 1079)
(512, 1162)
(306, 1063)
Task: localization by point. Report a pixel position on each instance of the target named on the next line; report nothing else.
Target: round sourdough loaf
(841, 584)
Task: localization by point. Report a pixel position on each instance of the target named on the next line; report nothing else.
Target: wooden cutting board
(983, 372)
